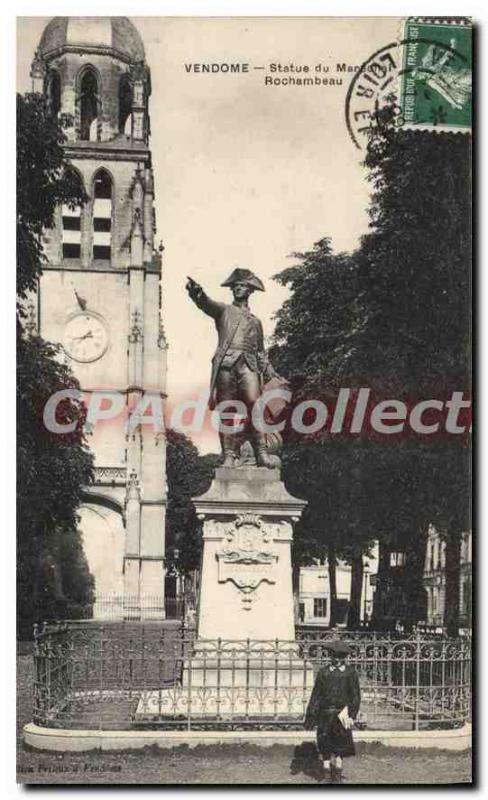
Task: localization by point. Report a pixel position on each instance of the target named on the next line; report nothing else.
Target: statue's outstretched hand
(193, 288)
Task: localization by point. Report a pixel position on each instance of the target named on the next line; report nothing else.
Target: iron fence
(321, 633)
(119, 606)
(117, 676)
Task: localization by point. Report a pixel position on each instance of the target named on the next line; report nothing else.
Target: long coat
(332, 691)
(227, 319)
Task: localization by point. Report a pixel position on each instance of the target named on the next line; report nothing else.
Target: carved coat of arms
(247, 561)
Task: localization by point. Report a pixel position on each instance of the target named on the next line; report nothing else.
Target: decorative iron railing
(120, 606)
(156, 675)
(320, 633)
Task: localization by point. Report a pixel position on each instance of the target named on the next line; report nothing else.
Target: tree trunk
(453, 563)
(37, 576)
(295, 582)
(377, 617)
(331, 560)
(354, 615)
(416, 595)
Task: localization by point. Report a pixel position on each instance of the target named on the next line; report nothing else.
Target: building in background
(435, 579)
(466, 581)
(394, 609)
(100, 295)
(314, 597)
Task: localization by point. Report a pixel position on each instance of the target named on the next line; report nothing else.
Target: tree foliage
(393, 316)
(416, 268)
(52, 469)
(415, 262)
(315, 324)
(45, 180)
(188, 475)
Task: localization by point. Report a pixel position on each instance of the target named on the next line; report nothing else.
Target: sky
(245, 174)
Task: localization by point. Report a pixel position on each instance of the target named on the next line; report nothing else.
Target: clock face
(85, 337)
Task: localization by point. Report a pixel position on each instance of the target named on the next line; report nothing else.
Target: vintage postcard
(244, 400)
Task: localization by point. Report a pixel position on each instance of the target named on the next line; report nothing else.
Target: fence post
(248, 675)
(37, 674)
(190, 669)
(464, 680)
(101, 676)
(47, 640)
(219, 679)
(417, 681)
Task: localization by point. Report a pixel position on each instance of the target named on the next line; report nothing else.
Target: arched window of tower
(89, 102)
(71, 224)
(125, 105)
(54, 92)
(102, 216)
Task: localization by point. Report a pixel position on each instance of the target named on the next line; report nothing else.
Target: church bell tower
(100, 295)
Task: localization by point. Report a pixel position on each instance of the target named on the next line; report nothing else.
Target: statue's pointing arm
(197, 294)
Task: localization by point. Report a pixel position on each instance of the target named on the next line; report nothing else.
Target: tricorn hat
(338, 648)
(240, 275)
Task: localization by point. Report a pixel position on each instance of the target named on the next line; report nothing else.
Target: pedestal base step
(229, 703)
(247, 673)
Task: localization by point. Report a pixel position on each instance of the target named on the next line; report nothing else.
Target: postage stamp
(424, 78)
(436, 80)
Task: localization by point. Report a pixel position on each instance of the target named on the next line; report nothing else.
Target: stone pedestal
(245, 662)
(246, 581)
(246, 629)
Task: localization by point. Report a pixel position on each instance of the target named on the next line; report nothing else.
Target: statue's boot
(227, 442)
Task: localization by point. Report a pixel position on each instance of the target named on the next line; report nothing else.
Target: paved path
(238, 765)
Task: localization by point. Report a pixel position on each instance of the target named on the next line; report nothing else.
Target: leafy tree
(55, 583)
(415, 265)
(316, 322)
(312, 348)
(393, 316)
(303, 473)
(52, 469)
(188, 475)
(45, 180)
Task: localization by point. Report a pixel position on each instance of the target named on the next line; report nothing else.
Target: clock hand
(81, 300)
(88, 335)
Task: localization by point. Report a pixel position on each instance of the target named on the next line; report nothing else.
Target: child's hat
(338, 647)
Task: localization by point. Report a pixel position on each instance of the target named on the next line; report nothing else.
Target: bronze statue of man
(240, 365)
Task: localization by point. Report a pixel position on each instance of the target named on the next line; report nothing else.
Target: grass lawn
(226, 764)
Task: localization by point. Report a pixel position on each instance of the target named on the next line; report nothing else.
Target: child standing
(332, 708)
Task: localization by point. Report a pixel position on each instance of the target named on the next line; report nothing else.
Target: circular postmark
(419, 82)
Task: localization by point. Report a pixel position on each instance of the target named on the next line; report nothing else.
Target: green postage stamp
(436, 84)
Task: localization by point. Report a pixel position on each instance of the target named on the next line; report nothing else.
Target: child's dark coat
(334, 688)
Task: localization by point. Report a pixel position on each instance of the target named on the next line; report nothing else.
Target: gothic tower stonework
(100, 295)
